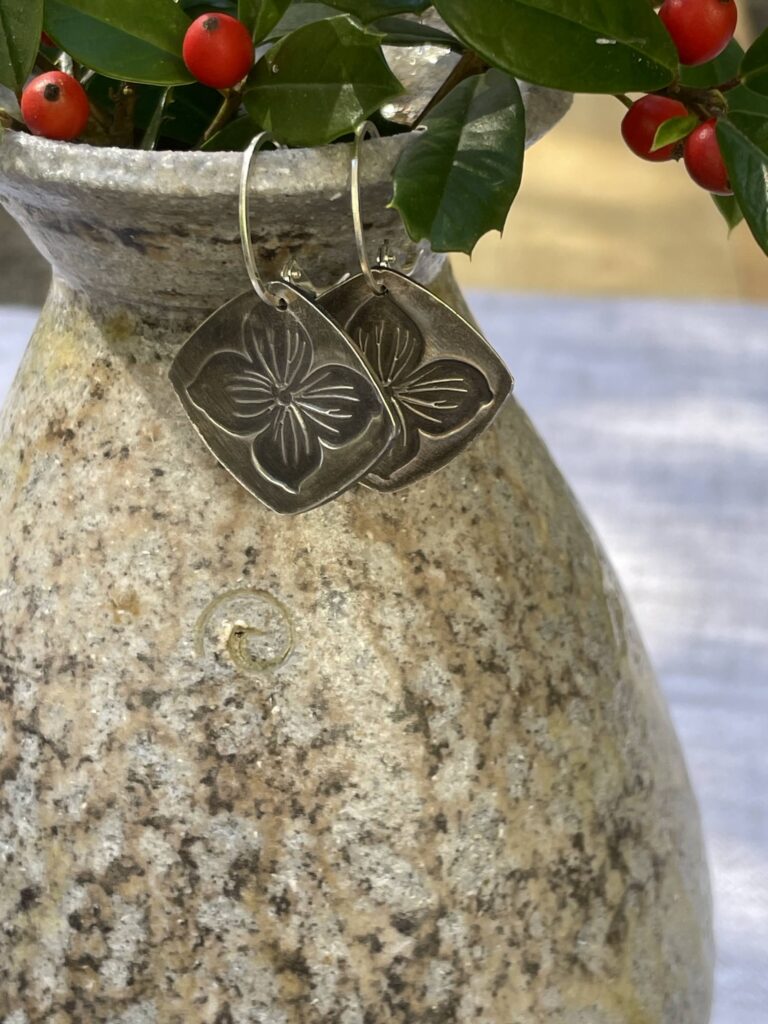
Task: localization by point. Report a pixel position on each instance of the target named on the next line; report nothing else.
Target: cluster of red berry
(701, 30)
(218, 51)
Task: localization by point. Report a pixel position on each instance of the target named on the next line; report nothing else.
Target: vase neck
(159, 233)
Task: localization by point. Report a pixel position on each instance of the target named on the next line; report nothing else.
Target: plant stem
(99, 117)
(232, 100)
(706, 103)
(622, 98)
(66, 64)
(149, 140)
(469, 65)
(122, 122)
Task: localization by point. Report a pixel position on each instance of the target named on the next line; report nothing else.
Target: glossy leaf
(754, 67)
(261, 16)
(715, 72)
(21, 22)
(674, 130)
(457, 180)
(319, 82)
(743, 98)
(743, 139)
(133, 41)
(234, 137)
(730, 210)
(580, 45)
(371, 10)
(404, 32)
(298, 15)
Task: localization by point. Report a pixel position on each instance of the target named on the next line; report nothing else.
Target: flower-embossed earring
(444, 380)
(278, 391)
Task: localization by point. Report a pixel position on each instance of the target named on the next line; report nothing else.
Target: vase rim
(33, 159)
(159, 230)
(188, 172)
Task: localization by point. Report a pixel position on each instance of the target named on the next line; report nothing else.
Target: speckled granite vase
(398, 761)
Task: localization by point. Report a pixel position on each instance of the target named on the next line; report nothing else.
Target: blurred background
(592, 219)
(638, 334)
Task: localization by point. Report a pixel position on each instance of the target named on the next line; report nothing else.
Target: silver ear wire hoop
(365, 130)
(265, 294)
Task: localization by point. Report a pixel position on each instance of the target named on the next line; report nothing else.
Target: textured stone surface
(397, 761)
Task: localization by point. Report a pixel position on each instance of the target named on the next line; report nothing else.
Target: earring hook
(364, 131)
(265, 293)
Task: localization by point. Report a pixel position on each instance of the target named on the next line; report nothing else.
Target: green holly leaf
(21, 22)
(674, 130)
(298, 15)
(579, 45)
(742, 98)
(404, 32)
(234, 137)
(743, 139)
(132, 41)
(458, 179)
(754, 67)
(730, 210)
(261, 16)
(715, 72)
(372, 10)
(319, 82)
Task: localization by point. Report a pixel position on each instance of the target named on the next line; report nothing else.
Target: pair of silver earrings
(300, 395)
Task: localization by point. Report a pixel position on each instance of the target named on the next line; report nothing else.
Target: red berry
(704, 160)
(700, 29)
(55, 105)
(641, 122)
(218, 50)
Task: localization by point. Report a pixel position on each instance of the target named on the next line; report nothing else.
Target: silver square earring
(279, 393)
(444, 381)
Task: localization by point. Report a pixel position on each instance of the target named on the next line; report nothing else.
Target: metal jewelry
(278, 392)
(444, 381)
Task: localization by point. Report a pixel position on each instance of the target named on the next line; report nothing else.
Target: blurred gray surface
(658, 415)
(24, 274)
(758, 11)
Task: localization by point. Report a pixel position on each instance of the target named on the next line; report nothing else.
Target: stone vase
(400, 760)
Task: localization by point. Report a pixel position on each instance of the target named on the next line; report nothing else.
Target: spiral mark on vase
(251, 627)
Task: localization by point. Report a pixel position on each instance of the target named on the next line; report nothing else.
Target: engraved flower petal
(287, 452)
(283, 358)
(405, 446)
(337, 403)
(443, 396)
(232, 393)
(389, 339)
(291, 411)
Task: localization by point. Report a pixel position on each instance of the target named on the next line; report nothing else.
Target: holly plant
(184, 74)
